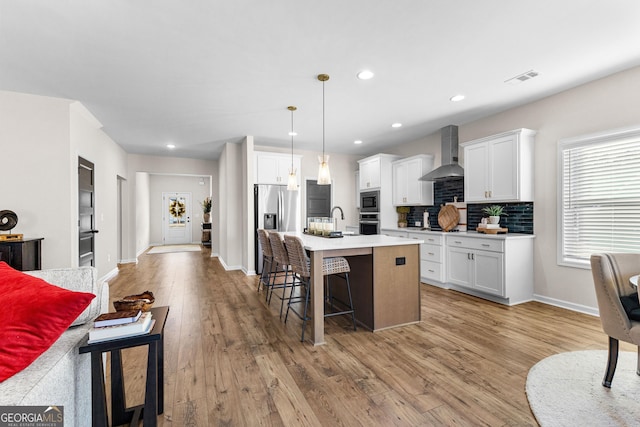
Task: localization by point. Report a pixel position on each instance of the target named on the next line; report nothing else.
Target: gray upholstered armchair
(611, 273)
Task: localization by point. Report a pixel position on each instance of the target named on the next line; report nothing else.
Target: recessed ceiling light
(357, 142)
(293, 133)
(171, 146)
(456, 98)
(365, 75)
(396, 125)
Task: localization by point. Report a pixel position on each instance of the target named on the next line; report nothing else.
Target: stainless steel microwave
(370, 201)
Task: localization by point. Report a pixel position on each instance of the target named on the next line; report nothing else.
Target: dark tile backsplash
(519, 218)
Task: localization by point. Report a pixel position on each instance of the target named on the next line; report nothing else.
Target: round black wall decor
(8, 220)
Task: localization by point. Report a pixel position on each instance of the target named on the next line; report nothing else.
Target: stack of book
(121, 324)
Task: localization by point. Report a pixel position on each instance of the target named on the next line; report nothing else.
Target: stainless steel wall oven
(370, 223)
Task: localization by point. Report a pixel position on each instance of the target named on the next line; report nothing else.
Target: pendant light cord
(323, 121)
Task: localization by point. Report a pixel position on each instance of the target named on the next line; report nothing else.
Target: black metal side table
(154, 389)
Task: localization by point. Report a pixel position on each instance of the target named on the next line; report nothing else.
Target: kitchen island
(385, 279)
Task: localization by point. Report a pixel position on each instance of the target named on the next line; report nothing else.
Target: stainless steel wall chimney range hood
(450, 168)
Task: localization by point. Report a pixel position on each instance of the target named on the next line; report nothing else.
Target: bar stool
(267, 259)
(281, 259)
(300, 264)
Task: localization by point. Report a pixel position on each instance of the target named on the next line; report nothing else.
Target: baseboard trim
(229, 267)
(592, 311)
(109, 275)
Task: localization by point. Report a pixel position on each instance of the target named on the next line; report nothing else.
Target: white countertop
(317, 243)
(502, 236)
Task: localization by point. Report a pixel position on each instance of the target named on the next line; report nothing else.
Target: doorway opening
(86, 214)
(176, 218)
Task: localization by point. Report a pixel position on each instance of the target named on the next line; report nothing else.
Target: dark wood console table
(206, 234)
(154, 388)
(23, 255)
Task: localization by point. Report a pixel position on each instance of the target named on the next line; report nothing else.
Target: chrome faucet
(341, 212)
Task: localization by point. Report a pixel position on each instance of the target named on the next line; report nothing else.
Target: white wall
(40, 141)
(91, 143)
(609, 103)
(34, 142)
(248, 234)
(232, 217)
(140, 205)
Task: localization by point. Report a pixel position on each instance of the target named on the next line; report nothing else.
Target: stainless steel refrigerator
(277, 209)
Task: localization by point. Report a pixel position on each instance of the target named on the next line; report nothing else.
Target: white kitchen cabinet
(499, 168)
(273, 168)
(408, 190)
(375, 175)
(375, 171)
(431, 256)
(500, 269)
(481, 270)
(369, 173)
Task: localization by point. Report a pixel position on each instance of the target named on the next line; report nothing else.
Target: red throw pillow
(33, 315)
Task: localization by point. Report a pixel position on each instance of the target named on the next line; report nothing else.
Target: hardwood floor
(231, 361)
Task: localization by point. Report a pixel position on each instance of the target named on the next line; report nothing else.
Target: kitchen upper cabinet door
(267, 169)
(419, 192)
(476, 173)
(499, 168)
(370, 174)
(408, 190)
(488, 272)
(400, 183)
(503, 171)
(274, 168)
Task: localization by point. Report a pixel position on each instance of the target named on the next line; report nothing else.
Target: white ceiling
(201, 73)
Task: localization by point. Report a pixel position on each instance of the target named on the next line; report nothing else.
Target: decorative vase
(207, 217)
(494, 219)
(402, 220)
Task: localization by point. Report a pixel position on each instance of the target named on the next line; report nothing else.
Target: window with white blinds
(599, 195)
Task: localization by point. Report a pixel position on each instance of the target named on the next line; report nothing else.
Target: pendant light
(324, 175)
(292, 184)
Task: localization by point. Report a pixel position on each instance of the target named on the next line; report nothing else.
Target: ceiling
(201, 73)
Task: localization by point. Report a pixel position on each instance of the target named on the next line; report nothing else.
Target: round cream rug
(566, 390)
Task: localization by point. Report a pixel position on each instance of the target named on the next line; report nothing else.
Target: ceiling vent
(522, 77)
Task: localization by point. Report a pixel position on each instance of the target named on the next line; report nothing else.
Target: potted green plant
(206, 209)
(402, 215)
(494, 212)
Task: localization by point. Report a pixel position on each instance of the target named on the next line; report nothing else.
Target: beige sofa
(61, 376)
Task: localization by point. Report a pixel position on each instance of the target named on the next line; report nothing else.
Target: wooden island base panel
(395, 298)
(385, 279)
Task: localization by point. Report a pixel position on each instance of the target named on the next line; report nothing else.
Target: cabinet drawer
(431, 252)
(432, 239)
(476, 243)
(431, 270)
